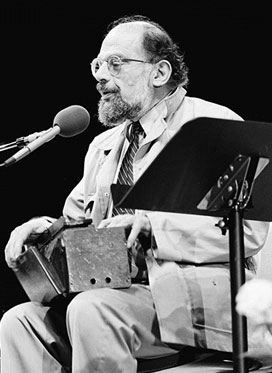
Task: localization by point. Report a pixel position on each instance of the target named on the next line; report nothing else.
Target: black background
(45, 54)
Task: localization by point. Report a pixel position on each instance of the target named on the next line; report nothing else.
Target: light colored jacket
(192, 299)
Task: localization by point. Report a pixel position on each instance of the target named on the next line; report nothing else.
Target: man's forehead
(127, 37)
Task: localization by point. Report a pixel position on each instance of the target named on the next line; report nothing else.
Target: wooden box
(74, 258)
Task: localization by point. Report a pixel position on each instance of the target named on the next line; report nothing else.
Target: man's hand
(138, 223)
(20, 234)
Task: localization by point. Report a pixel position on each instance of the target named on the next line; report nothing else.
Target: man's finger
(117, 221)
(135, 230)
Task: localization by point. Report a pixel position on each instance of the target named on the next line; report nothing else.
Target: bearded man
(141, 77)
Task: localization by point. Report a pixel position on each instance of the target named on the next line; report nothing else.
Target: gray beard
(116, 111)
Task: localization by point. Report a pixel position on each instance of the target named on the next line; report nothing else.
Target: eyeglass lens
(113, 63)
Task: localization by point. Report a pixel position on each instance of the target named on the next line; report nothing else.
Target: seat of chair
(185, 356)
(190, 360)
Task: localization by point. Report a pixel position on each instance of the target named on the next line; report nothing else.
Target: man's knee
(12, 317)
(92, 308)
(90, 301)
(20, 314)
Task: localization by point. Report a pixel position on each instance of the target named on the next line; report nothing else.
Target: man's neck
(159, 98)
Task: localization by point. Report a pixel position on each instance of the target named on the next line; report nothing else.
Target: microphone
(69, 122)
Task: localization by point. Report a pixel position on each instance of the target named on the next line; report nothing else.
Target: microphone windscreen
(72, 120)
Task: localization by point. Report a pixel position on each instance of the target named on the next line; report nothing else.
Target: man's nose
(103, 72)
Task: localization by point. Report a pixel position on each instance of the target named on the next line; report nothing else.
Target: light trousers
(106, 331)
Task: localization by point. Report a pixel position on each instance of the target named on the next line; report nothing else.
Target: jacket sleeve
(74, 203)
(196, 239)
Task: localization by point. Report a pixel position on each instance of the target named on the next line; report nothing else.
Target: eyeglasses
(114, 64)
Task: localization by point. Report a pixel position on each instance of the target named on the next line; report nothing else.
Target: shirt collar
(163, 109)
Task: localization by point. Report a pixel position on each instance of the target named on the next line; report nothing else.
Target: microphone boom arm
(47, 136)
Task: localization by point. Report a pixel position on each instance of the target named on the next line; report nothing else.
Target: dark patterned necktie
(125, 175)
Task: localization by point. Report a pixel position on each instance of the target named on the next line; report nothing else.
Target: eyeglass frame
(121, 59)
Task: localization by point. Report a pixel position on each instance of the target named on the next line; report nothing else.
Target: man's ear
(162, 73)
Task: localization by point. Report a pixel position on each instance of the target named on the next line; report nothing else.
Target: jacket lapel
(104, 180)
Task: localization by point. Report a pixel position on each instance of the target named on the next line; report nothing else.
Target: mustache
(102, 88)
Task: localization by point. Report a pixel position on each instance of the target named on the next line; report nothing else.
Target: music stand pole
(237, 275)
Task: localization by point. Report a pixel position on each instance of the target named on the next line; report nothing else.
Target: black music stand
(219, 168)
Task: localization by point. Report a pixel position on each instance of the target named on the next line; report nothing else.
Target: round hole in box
(108, 280)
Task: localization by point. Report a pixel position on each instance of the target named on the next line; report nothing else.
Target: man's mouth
(107, 95)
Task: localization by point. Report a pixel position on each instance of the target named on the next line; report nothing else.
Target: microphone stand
(18, 143)
(22, 141)
(8, 146)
